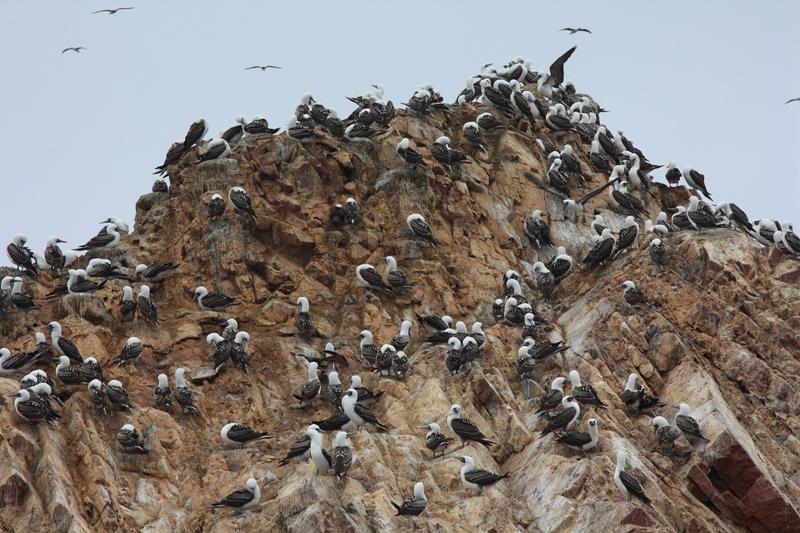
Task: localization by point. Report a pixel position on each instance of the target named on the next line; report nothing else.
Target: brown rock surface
(720, 333)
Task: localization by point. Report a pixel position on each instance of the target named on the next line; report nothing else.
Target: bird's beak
(59, 240)
(423, 427)
(373, 85)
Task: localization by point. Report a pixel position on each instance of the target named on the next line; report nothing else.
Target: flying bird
(111, 11)
(76, 49)
(573, 31)
(790, 100)
(263, 67)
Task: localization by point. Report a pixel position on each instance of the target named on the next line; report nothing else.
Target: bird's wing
(420, 227)
(557, 68)
(372, 277)
(566, 29)
(216, 299)
(69, 348)
(253, 67)
(792, 100)
(562, 418)
(482, 477)
(101, 11)
(367, 414)
(465, 428)
(585, 30)
(242, 433)
(632, 485)
(575, 438)
(237, 498)
(687, 424)
(101, 239)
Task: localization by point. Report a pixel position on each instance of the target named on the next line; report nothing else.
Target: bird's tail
(396, 507)
(487, 443)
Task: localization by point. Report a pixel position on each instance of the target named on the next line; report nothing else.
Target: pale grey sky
(700, 83)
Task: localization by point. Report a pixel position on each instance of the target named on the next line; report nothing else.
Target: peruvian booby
(22, 256)
(454, 356)
(69, 375)
(632, 294)
(658, 252)
(696, 181)
(584, 394)
(573, 31)
(352, 211)
(79, 283)
(555, 120)
(216, 206)
(305, 327)
(420, 228)
(655, 229)
(601, 162)
(176, 150)
(155, 272)
(369, 350)
(736, 215)
(396, 279)
(235, 133)
(369, 278)
(99, 395)
(688, 425)
(472, 133)
(212, 301)
(91, 369)
(627, 235)
(562, 419)
(435, 440)
(241, 499)
(401, 340)
(680, 219)
(103, 240)
(239, 350)
(222, 349)
(162, 395)
(159, 185)
(31, 409)
(359, 414)
(556, 179)
(130, 440)
(364, 394)
(700, 215)
(625, 482)
(53, 255)
(62, 345)
(319, 456)
(537, 230)
(259, 125)
(237, 435)
(622, 199)
(578, 440)
(22, 301)
(312, 387)
(183, 394)
(341, 455)
(464, 428)
(598, 225)
(787, 241)
(196, 132)
(561, 264)
(603, 251)
(111, 11)
(408, 154)
(441, 151)
(359, 130)
(127, 306)
(415, 504)
(672, 175)
(117, 395)
(474, 478)
(487, 122)
(241, 202)
(545, 280)
(148, 309)
(665, 434)
(300, 448)
(552, 398)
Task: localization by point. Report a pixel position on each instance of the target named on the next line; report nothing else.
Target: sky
(698, 83)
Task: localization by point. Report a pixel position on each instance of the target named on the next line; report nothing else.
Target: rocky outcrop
(719, 333)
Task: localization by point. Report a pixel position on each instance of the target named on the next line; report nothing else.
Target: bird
(573, 31)
(212, 301)
(584, 394)
(359, 414)
(401, 340)
(441, 151)
(696, 180)
(183, 394)
(578, 440)
(31, 409)
(131, 351)
(341, 455)
(603, 250)
(369, 278)
(561, 264)
(91, 369)
(632, 294)
(148, 309)
(241, 499)
(162, 395)
(435, 440)
(263, 67)
(237, 435)
(396, 279)
(545, 280)
(117, 395)
(103, 240)
(111, 11)
(197, 130)
(319, 456)
(537, 230)
(239, 350)
(216, 206)
(99, 395)
(415, 504)
(62, 345)
(364, 394)
(464, 428)
(305, 328)
(68, 375)
(174, 154)
(673, 174)
(552, 398)
(300, 448)
(408, 154)
(562, 419)
(130, 440)
(474, 478)
(76, 49)
(665, 434)
(53, 255)
(658, 252)
(22, 256)
(312, 387)
(792, 100)
(155, 272)
(420, 228)
(688, 425)
(625, 482)
(211, 150)
(241, 202)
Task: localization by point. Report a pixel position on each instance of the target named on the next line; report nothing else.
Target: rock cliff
(719, 333)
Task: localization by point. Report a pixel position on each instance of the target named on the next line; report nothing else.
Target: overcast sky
(700, 83)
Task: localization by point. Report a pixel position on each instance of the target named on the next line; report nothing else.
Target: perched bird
(239, 350)
(237, 435)
(563, 418)
(633, 295)
(369, 350)
(401, 340)
(688, 425)
(420, 228)
(464, 428)
(212, 301)
(537, 230)
(578, 440)
(31, 409)
(241, 499)
(62, 345)
(183, 394)
(91, 369)
(300, 448)
(174, 154)
(312, 387)
(627, 235)
(131, 351)
(552, 398)
(359, 414)
(305, 328)
(487, 122)
(127, 306)
(22, 256)
(435, 440)
(475, 479)
(162, 396)
(625, 482)
(196, 132)
(448, 157)
(561, 264)
(103, 240)
(665, 434)
(148, 309)
(155, 272)
(413, 505)
(241, 202)
(319, 456)
(352, 211)
(130, 440)
(99, 395)
(672, 175)
(159, 185)
(364, 394)
(53, 255)
(118, 395)
(472, 133)
(369, 278)
(68, 375)
(216, 206)
(584, 394)
(658, 252)
(395, 278)
(341, 455)
(696, 181)
(408, 154)
(545, 280)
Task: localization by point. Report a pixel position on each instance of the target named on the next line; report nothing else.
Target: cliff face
(719, 333)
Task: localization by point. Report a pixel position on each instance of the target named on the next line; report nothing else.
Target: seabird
(408, 154)
(413, 505)
(537, 230)
(99, 395)
(696, 181)
(69, 375)
(341, 455)
(672, 175)
(435, 440)
(10, 364)
(263, 67)
(633, 295)
(231, 328)
(353, 212)
(338, 216)
(111, 11)
(196, 132)
(239, 350)
(241, 499)
(213, 301)
(575, 30)
(127, 307)
(62, 345)
(420, 228)
(76, 49)
(736, 216)
(101, 268)
(700, 215)
(385, 357)
(578, 440)
(454, 357)
(53, 255)
(680, 219)
(359, 414)
(561, 264)
(584, 394)
(162, 396)
(319, 456)
(22, 256)
(401, 340)
(665, 434)
(498, 309)
(476, 479)
(312, 387)
(159, 185)
(33, 410)
(78, 283)
(117, 395)
(545, 280)
(603, 251)
(241, 202)
(183, 394)
(655, 229)
(513, 312)
(395, 278)
(222, 349)
(627, 484)
(176, 150)
(91, 369)
(301, 131)
(120, 225)
(464, 428)
(688, 425)
(441, 151)
(300, 448)
(216, 206)
(553, 397)
(562, 419)
(130, 440)
(487, 122)
(21, 300)
(237, 435)
(359, 130)
(104, 240)
(555, 120)
(305, 328)
(364, 394)
(657, 252)
(148, 309)
(472, 133)
(624, 200)
(369, 278)
(235, 133)
(131, 352)
(400, 365)
(627, 235)
(41, 351)
(155, 272)
(369, 350)
(598, 225)
(556, 178)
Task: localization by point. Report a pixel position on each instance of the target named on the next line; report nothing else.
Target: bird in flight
(74, 49)
(573, 31)
(792, 100)
(110, 11)
(263, 67)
